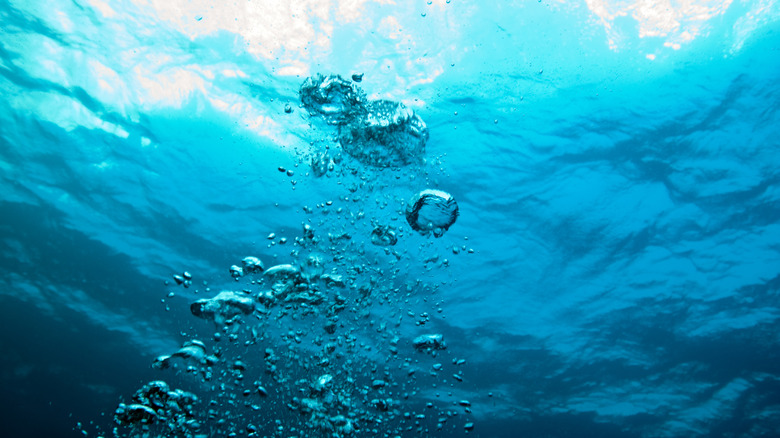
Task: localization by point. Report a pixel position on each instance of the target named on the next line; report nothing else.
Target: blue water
(614, 270)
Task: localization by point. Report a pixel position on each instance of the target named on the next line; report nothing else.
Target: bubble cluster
(332, 97)
(379, 133)
(429, 342)
(389, 134)
(322, 163)
(158, 410)
(184, 279)
(384, 236)
(192, 351)
(330, 330)
(223, 307)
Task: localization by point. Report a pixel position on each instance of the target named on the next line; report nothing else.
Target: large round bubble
(432, 211)
(388, 135)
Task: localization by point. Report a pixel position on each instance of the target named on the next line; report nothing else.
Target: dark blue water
(613, 269)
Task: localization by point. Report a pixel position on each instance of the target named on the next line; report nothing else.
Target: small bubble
(282, 169)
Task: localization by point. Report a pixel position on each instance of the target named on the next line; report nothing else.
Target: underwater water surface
(359, 218)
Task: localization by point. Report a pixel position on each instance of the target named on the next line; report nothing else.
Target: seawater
(612, 269)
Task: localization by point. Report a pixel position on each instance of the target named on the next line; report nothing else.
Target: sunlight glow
(104, 8)
(171, 87)
(676, 22)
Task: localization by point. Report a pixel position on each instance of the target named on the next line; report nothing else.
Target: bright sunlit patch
(104, 8)
(650, 56)
(206, 72)
(350, 10)
(676, 22)
(103, 165)
(64, 111)
(114, 129)
(170, 88)
(107, 79)
(261, 124)
(655, 18)
(426, 78)
(294, 68)
(761, 13)
(267, 26)
(233, 73)
(253, 118)
(289, 34)
(390, 27)
(440, 3)
(65, 22)
(220, 105)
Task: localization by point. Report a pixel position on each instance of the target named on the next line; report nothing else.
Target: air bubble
(432, 211)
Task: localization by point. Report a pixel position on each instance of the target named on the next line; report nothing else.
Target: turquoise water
(613, 269)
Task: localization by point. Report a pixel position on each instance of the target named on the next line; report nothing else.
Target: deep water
(613, 269)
